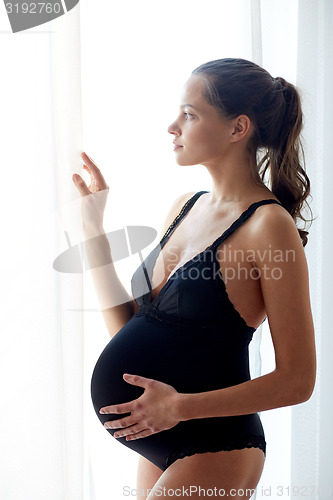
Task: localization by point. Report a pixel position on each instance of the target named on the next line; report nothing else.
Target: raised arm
(117, 306)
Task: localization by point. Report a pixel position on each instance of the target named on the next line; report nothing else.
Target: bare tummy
(199, 229)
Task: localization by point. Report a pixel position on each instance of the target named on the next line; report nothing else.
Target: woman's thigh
(224, 473)
(147, 475)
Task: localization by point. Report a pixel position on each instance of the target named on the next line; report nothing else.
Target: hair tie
(281, 82)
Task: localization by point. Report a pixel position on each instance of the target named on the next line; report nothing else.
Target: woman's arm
(116, 305)
(287, 302)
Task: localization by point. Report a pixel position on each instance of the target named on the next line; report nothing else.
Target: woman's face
(200, 132)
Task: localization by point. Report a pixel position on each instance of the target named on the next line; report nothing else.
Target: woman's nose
(174, 129)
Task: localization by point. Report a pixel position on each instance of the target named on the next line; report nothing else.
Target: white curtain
(107, 81)
(42, 436)
(312, 436)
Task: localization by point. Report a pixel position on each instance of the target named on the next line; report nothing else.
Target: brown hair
(238, 86)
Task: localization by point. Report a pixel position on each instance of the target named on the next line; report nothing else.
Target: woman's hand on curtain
(93, 206)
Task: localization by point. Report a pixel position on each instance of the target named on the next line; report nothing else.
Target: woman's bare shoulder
(273, 227)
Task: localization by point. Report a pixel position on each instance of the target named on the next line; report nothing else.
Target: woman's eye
(187, 115)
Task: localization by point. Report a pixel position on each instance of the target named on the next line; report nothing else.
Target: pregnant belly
(142, 347)
(135, 349)
(188, 359)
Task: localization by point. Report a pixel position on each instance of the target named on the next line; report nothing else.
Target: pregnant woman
(173, 383)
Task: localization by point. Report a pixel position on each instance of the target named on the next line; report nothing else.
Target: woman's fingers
(95, 172)
(80, 185)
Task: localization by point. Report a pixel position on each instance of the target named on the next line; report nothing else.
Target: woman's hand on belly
(154, 411)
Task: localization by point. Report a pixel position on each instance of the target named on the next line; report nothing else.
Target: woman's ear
(241, 128)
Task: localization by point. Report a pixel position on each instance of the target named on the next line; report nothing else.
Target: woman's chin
(184, 163)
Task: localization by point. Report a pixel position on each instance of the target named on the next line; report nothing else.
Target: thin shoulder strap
(242, 218)
(188, 205)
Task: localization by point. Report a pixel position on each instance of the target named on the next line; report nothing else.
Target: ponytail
(288, 179)
(237, 86)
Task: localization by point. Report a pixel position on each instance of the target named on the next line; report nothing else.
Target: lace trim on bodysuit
(251, 441)
(152, 313)
(174, 223)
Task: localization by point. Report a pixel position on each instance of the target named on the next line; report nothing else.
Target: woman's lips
(176, 146)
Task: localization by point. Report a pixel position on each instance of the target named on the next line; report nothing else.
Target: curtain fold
(65, 59)
(312, 437)
(42, 436)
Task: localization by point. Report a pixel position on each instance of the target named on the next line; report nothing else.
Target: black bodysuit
(189, 336)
